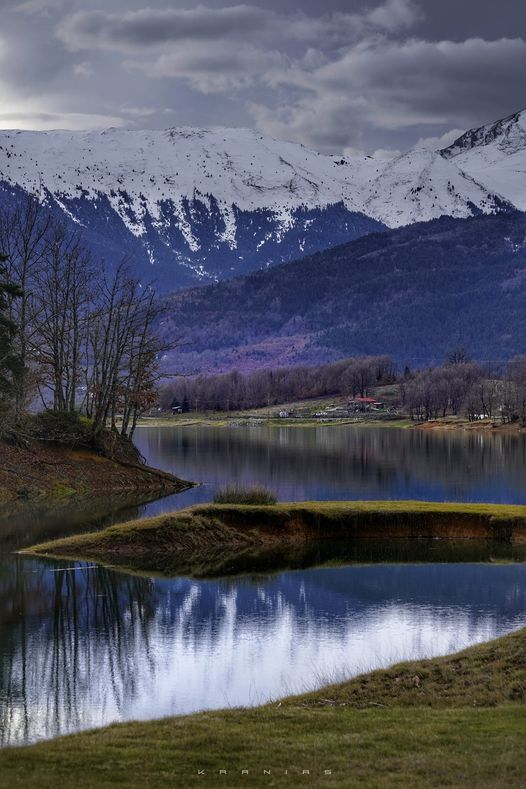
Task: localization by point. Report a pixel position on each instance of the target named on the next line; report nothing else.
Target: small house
(366, 404)
(176, 407)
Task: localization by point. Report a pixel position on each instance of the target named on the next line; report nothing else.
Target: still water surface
(83, 646)
(344, 462)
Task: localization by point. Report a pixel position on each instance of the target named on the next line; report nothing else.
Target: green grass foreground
(212, 538)
(456, 721)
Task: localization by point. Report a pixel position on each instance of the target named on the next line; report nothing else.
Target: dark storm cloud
(137, 29)
(400, 85)
(353, 74)
(151, 26)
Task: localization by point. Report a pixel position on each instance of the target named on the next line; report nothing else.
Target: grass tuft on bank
(237, 494)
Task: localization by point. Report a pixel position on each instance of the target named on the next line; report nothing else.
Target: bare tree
(10, 362)
(141, 367)
(122, 352)
(64, 299)
(76, 326)
(23, 234)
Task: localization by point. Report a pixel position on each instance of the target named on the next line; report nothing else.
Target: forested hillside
(412, 293)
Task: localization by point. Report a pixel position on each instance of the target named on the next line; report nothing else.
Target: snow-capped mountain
(422, 185)
(189, 204)
(204, 204)
(495, 157)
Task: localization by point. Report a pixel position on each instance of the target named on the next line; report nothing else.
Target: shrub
(67, 428)
(234, 494)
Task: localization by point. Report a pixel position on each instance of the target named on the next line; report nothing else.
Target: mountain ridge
(196, 205)
(497, 131)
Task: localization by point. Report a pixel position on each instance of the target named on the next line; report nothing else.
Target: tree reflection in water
(342, 462)
(86, 647)
(67, 640)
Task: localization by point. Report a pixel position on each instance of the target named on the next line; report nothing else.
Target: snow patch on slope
(422, 185)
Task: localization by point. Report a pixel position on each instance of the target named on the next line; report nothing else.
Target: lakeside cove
(300, 636)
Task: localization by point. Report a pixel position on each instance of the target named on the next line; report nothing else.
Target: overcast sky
(338, 75)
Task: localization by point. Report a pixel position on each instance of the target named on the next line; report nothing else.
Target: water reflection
(344, 462)
(84, 647)
(28, 523)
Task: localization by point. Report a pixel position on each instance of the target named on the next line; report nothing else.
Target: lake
(341, 462)
(82, 646)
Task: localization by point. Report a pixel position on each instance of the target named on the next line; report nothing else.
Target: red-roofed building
(365, 404)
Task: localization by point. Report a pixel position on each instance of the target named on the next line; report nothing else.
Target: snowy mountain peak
(140, 171)
(421, 185)
(507, 135)
(239, 167)
(495, 157)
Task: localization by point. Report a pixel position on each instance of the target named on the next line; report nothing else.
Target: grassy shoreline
(224, 420)
(450, 721)
(220, 538)
(263, 419)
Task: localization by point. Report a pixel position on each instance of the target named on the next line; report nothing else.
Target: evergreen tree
(10, 362)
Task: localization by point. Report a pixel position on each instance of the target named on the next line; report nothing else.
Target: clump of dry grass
(237, 494)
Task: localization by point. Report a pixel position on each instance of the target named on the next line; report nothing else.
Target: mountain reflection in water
(80, 648)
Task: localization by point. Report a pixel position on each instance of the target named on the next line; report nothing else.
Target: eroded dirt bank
(53, 471)
(208, 538)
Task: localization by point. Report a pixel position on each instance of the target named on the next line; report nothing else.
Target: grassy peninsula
(216, 538)
(451, 721)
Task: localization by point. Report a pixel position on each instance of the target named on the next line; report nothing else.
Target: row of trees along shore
(462, 387)
(236, 391)
(459, 386)
(72, 335)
